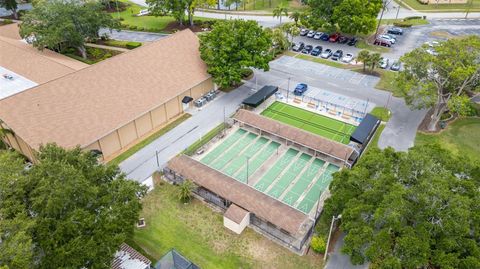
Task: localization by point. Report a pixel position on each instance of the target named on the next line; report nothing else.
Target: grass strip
(382, 113)
(129, 152)
(202, 141)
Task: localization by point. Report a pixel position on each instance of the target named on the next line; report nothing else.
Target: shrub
(318, 244)
(246, 72)
(132, 27)
(132, 45)
(403, 24)
(7, 21)
(107, 55)
(413, 18)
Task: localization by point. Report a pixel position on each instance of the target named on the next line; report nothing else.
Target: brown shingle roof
(318, 143)
(235, 213)
(260, 204)
(84, 106)
(10, 31)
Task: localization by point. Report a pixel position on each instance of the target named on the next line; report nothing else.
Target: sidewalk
(106, 47)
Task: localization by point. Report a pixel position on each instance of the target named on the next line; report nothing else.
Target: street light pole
(330, 235)
(398, 10)
(248, 159)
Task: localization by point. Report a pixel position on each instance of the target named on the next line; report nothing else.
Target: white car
(432, 51)
(347, 58)
(143, 12)
(317, 35)
(383, 63)
(389, 38)
(432, 44)
(311, 34)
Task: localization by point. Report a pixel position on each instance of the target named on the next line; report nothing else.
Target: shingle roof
(84, 106)
(260, 204)
(235, 213)
(128, 258)
(318, 143)
(10, 31)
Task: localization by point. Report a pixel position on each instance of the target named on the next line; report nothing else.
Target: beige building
(108, 106)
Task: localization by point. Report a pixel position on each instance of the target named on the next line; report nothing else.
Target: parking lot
(412, 38)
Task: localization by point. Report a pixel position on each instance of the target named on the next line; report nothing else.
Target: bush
(132, 45)
(132, 27)
(7, 21)
(413, 18)
(246, 72)
(318, 244)
(403, 24)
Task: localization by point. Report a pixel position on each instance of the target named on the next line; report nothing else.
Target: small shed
(236, 218)
(260, 96)
(365, 130)
(174, 260)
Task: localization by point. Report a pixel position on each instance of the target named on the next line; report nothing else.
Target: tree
(231, 47)
(357, 16)
(295, 16)
(279, 11)
(193, 4)
(350, 16)
(415, 209)
(3, 133)
(279, 40)
(439, 81)
(76, 211)
(176, 8)
(291, 30)
(364, 57)
(374, 59)
(10, 5)
(58, 24)
(185, 191)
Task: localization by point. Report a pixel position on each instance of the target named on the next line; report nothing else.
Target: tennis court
(293, 177)
(310, 121)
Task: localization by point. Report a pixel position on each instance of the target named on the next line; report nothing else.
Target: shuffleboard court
(305, 179)
(253, 165)
(320, 185)
(212, 155)
(310, 121)
(276, 170)
(242, 159)
(233, 151)
(293, 171)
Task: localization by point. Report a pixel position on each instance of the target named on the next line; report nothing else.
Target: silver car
(311, 34)
(389, 38)
(383, 63)
(317, 35)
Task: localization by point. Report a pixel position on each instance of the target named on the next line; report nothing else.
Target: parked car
(326, 54)
(337, 55)
(342, 39)
(307, 49)
(325, 37)
(347, 58)
(395, 31)
(298, 47)
(317, 35)
(316, 51)
(382, 42)
(303, 32)
(352, 42)
(300, 89)
(389, 38)
(432, 44)
(384, 63)
(395, 66)
(311, 34)
(334, 38)
(143, 12)
(432, 51)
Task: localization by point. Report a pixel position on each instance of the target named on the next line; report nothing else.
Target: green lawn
(197, 232)
(269, 5)
(149, 139)
(309, 121)
(475, 6)
(414, 22)
(144, 23)
(382, 113)
(202, 141)
(387, 82)
(460, 137)
(321, 60)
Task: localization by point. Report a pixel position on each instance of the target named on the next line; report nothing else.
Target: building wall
(125, 135)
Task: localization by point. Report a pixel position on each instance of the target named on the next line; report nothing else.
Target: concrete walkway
(142, 164)
(106, 47)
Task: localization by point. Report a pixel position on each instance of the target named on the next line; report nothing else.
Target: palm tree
(185, 191)
(364, 57)
(295, 16)
(279, 11)
(374, 59)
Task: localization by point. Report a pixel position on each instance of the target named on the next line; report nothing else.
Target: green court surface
(295, 178)
(310, 121)
(320, 185)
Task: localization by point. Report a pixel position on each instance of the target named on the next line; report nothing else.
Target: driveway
(399, 132)
(131, 35)
(142, 164)
(337, 260)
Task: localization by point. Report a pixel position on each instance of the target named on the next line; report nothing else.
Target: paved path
(337, 260)
(127, 35)
(106, 47)
(399, 132)
(142, 164)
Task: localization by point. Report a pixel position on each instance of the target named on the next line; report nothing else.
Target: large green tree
(415, 209)
(10, 5)
(441, 80)
(58, 24)
(67, 211)
(231, 47)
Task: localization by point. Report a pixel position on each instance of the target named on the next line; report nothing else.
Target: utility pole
(398, 9)
(156, 155)
(469, 6)
(384, 6)
(330, 235)
(248, 159)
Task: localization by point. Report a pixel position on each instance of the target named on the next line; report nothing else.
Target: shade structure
(261, 95)
(365, 129)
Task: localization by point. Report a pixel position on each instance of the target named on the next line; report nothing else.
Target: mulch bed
(175, 26)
